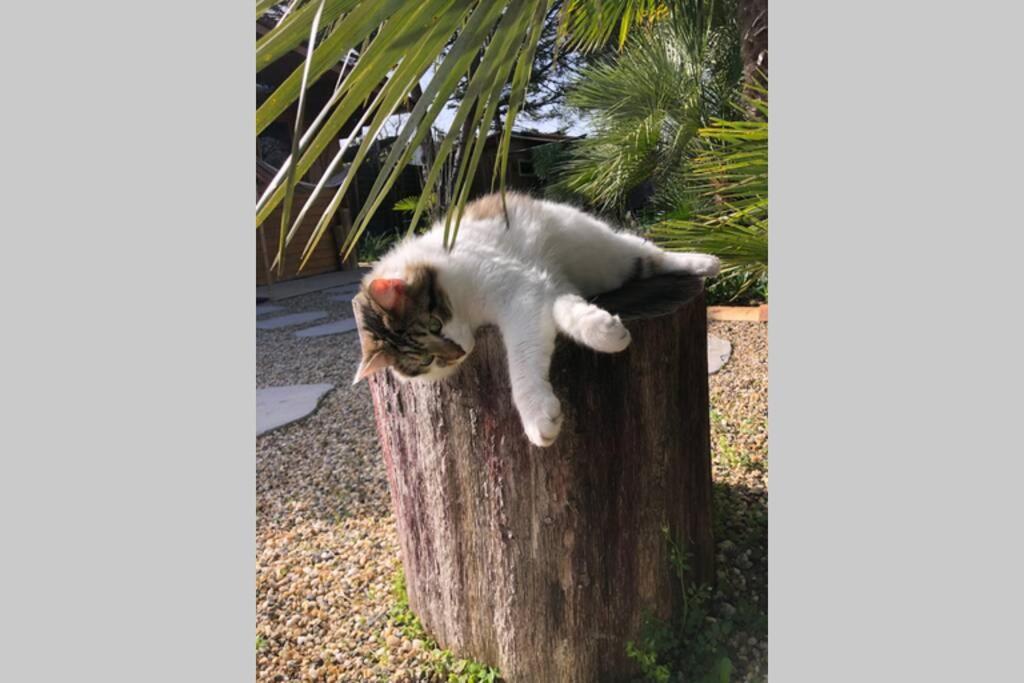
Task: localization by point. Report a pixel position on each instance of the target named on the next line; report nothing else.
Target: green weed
(451, 668)
(691, 646)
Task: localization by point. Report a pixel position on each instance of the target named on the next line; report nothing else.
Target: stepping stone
(336, 327)
(289, 320)
(263, 309)
(279, 406)
(344, 289)
(719, 351)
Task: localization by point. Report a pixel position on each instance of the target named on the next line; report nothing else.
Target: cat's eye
(428, 361)
(434, 325)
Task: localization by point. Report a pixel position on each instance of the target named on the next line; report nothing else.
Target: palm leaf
(588, 24)
(489, 78)
(393, 94)
(647, 104)
(290, 185)
(401, 41)
(263, 5)
(730, 181)
(294, 28)
(383, 106)
(358, 87)
(364, 19)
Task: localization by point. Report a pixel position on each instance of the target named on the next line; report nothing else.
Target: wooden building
(521, 173)
(273, 145)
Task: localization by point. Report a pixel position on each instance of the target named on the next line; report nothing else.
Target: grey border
(127, 496)
(127, 492)
(895, 358)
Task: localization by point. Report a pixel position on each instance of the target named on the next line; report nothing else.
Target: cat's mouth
(441, 368)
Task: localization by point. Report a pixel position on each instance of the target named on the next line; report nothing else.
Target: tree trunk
(545, 561)
(753, 22)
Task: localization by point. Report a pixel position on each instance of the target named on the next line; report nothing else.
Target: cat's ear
(374, 363)
(389, 294)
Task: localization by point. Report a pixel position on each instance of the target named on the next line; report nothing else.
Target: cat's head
(407, 324)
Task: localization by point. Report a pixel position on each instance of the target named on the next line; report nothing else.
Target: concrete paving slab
(719, 351)
(263, 309)
(279, 406)
(313, 283)
(347, 289)
(289, 320)
(336, 327)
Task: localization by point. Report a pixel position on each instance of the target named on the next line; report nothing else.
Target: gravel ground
(739, 443)
(327, 551)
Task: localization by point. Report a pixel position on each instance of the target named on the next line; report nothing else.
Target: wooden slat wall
(325, 258)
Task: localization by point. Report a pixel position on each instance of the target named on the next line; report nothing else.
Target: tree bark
(545, 561)
(753, 23)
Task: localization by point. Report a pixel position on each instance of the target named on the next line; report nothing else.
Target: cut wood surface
(739, 313)
(544, 561)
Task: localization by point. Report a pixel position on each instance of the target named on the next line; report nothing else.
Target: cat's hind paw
(703, 265)
(543, 421)
(708, 266)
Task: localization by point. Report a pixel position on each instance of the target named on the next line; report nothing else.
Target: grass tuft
(449, 667)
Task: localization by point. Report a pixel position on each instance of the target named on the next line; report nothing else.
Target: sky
(574, 127)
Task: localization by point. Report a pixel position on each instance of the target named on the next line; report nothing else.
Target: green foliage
(373, 246)
(691, 647)
(484, 47)
(737, 288)
(261, 643)
(647, 104)
(725, 211)
(548, 160)
(647, 657)
(735, 457)
(661, 112)
(409, 204)
(592, 24)
(446, 665)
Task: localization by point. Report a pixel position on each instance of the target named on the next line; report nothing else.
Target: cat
(418, 310)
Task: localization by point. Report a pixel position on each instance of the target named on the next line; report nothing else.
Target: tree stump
(545, 561)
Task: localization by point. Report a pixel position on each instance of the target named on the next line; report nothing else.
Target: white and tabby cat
(419, 308)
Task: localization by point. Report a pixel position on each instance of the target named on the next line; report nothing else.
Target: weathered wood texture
(542, 561)
(326, 256)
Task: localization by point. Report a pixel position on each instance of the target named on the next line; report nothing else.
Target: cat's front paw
(605, 332)
(542, 420)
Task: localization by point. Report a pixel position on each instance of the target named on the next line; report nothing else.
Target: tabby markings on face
(400, 325)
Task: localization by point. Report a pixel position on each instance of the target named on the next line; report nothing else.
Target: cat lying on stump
(418, 310)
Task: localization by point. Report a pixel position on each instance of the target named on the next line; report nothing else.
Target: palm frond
(588, 24)
(647, 104)
(290, 184)
(262, 6)
(397, 44)
(729, 182)
(294, 29)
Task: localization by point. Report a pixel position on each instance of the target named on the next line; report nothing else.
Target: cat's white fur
(530, 281)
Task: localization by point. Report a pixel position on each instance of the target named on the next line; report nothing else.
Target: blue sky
(574, 127)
